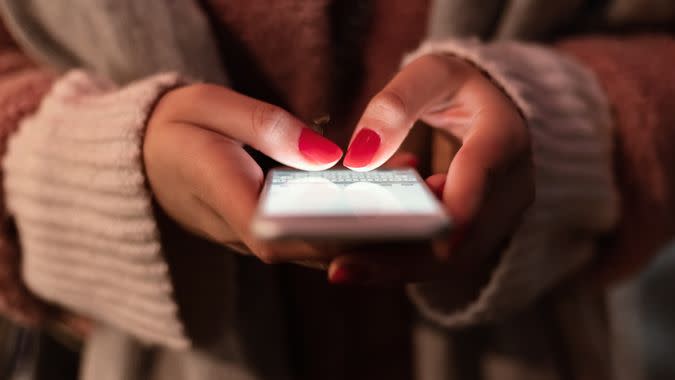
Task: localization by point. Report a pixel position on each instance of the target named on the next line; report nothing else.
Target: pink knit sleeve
(75, 184)
(637, 75)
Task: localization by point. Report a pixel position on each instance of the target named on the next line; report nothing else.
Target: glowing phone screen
(345, 192)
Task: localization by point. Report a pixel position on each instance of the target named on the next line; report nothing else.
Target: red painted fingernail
(348, 274)
(362, 149)
(339, 276)
(317, 148)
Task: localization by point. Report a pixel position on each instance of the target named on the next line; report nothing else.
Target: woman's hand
(490, 180)
(202, 176)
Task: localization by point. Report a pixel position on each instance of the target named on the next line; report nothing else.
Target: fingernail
(348, 274)
(362, 149)
(317, 148)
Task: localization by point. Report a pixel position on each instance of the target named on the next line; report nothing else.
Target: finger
(392, 112)
(263, 126)
(499, 216)
(222, 172)
(402, 160)
(491, 147)
(442, 247)
(187, 178)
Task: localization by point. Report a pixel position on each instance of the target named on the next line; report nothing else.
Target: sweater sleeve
(576, 200)
(75, 186)
(638, 77)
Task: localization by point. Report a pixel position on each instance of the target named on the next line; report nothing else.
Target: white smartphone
(384, 204)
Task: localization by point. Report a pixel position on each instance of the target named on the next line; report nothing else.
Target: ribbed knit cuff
(75, 185)
(569, 122)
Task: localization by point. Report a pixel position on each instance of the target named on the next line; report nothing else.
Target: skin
(196, 165)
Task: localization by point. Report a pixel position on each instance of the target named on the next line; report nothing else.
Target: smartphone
(384, 204)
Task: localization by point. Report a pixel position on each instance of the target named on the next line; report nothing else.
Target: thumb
(263, 126)
(393, 111)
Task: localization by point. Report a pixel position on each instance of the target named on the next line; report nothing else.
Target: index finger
(263, 126)
(390, 115)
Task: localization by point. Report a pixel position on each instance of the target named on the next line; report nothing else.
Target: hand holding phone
(489, 183)
(202, 176)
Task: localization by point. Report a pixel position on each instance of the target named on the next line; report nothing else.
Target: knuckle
(267, 120)
(389, 105)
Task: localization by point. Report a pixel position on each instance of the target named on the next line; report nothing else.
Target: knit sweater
(571, 142)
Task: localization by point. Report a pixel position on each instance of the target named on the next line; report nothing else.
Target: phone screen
(345, 192)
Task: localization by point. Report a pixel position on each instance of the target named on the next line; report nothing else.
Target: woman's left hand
(487, 188)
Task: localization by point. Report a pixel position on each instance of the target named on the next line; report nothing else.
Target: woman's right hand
(202, 176)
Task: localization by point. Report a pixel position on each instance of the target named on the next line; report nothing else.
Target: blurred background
(643, 321)
(29, 354)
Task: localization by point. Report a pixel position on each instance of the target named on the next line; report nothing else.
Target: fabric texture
(63, 36)
(287, 21)
(643, 99)
(90, 242)
(43, 29)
